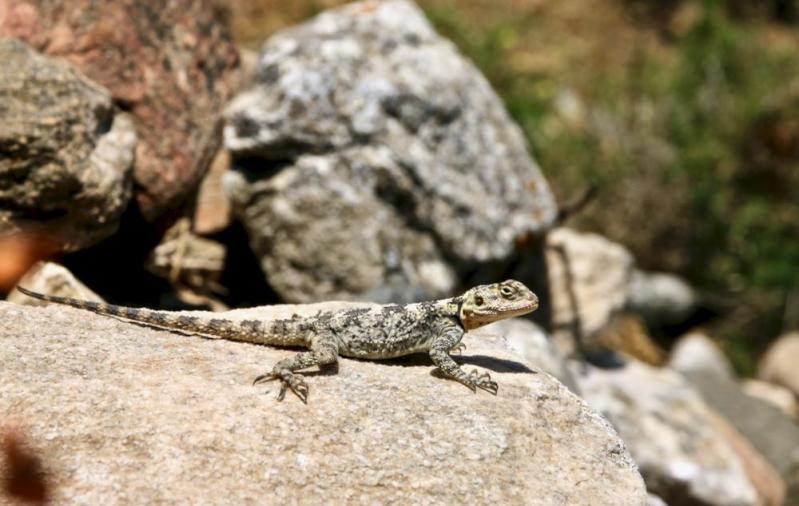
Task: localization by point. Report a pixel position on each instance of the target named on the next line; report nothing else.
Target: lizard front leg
(439, 352)
(322, 351)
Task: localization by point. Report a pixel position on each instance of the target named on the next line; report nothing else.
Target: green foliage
(675, 144)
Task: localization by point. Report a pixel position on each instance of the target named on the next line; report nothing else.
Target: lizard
(371, 332)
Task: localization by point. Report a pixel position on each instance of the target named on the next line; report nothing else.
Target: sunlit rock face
(373, 160)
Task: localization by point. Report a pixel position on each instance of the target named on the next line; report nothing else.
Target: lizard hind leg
(322, 352)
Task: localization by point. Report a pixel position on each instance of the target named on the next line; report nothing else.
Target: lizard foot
(482, 381)
(287, 381)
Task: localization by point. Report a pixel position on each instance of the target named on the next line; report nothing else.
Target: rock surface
(771, 432)
(762, 475)
(671, 434)
(173, 71)
(779, 364)
(66, 156)
(661, 298)
(697, 353)
(779, 397)
(370, 153)
(53, 279)
(534, 345)
(128, 414)
(319, 236)
(588, 283)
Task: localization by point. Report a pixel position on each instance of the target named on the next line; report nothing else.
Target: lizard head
(485, 304)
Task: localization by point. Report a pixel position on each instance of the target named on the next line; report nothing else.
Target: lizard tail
(95, 307)
(168, 320)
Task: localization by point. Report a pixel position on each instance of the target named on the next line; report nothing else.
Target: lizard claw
(287, 381)
(263, 378)
(458, 348)
(297, 385)
(482, 381)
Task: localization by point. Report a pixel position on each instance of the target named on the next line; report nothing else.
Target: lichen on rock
(67, 157)
(408, 161)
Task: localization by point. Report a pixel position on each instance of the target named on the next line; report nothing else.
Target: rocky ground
(364, 158)
(118, 411)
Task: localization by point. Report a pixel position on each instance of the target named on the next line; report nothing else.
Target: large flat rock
(121, 413)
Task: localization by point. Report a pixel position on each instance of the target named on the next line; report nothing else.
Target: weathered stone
(697, 353)
(127, 414)
(670, 432)
(772, 433)
(532, 342)
(779, 397)
(762, 475)
(661, 298)
(66, 156)
(53, 279)
(391, 153)
(588, 278)
(779, 364)
(346, 246)
(169, 63)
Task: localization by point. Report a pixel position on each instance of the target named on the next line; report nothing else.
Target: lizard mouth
(524, 309)
(508, 313)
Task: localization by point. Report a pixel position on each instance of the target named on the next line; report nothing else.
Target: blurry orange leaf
(17, 254)
(25, 479)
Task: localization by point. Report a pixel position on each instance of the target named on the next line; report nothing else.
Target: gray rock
(67, 157)
(671, 434)
(763, 476)
(779, 397)
(697, 353)
(661, 298)
(52, 279)
(772, 433)
(365, 111)
(126, 414)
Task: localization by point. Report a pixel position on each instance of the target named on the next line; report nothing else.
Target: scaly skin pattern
(377, 332)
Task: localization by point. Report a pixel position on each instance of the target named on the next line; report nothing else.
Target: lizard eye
(478, 300)
(506, 291)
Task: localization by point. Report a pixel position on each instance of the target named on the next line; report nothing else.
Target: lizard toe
(263, 378)
(489, 386)
(482, 381)
(294, 383)
(299, 387)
